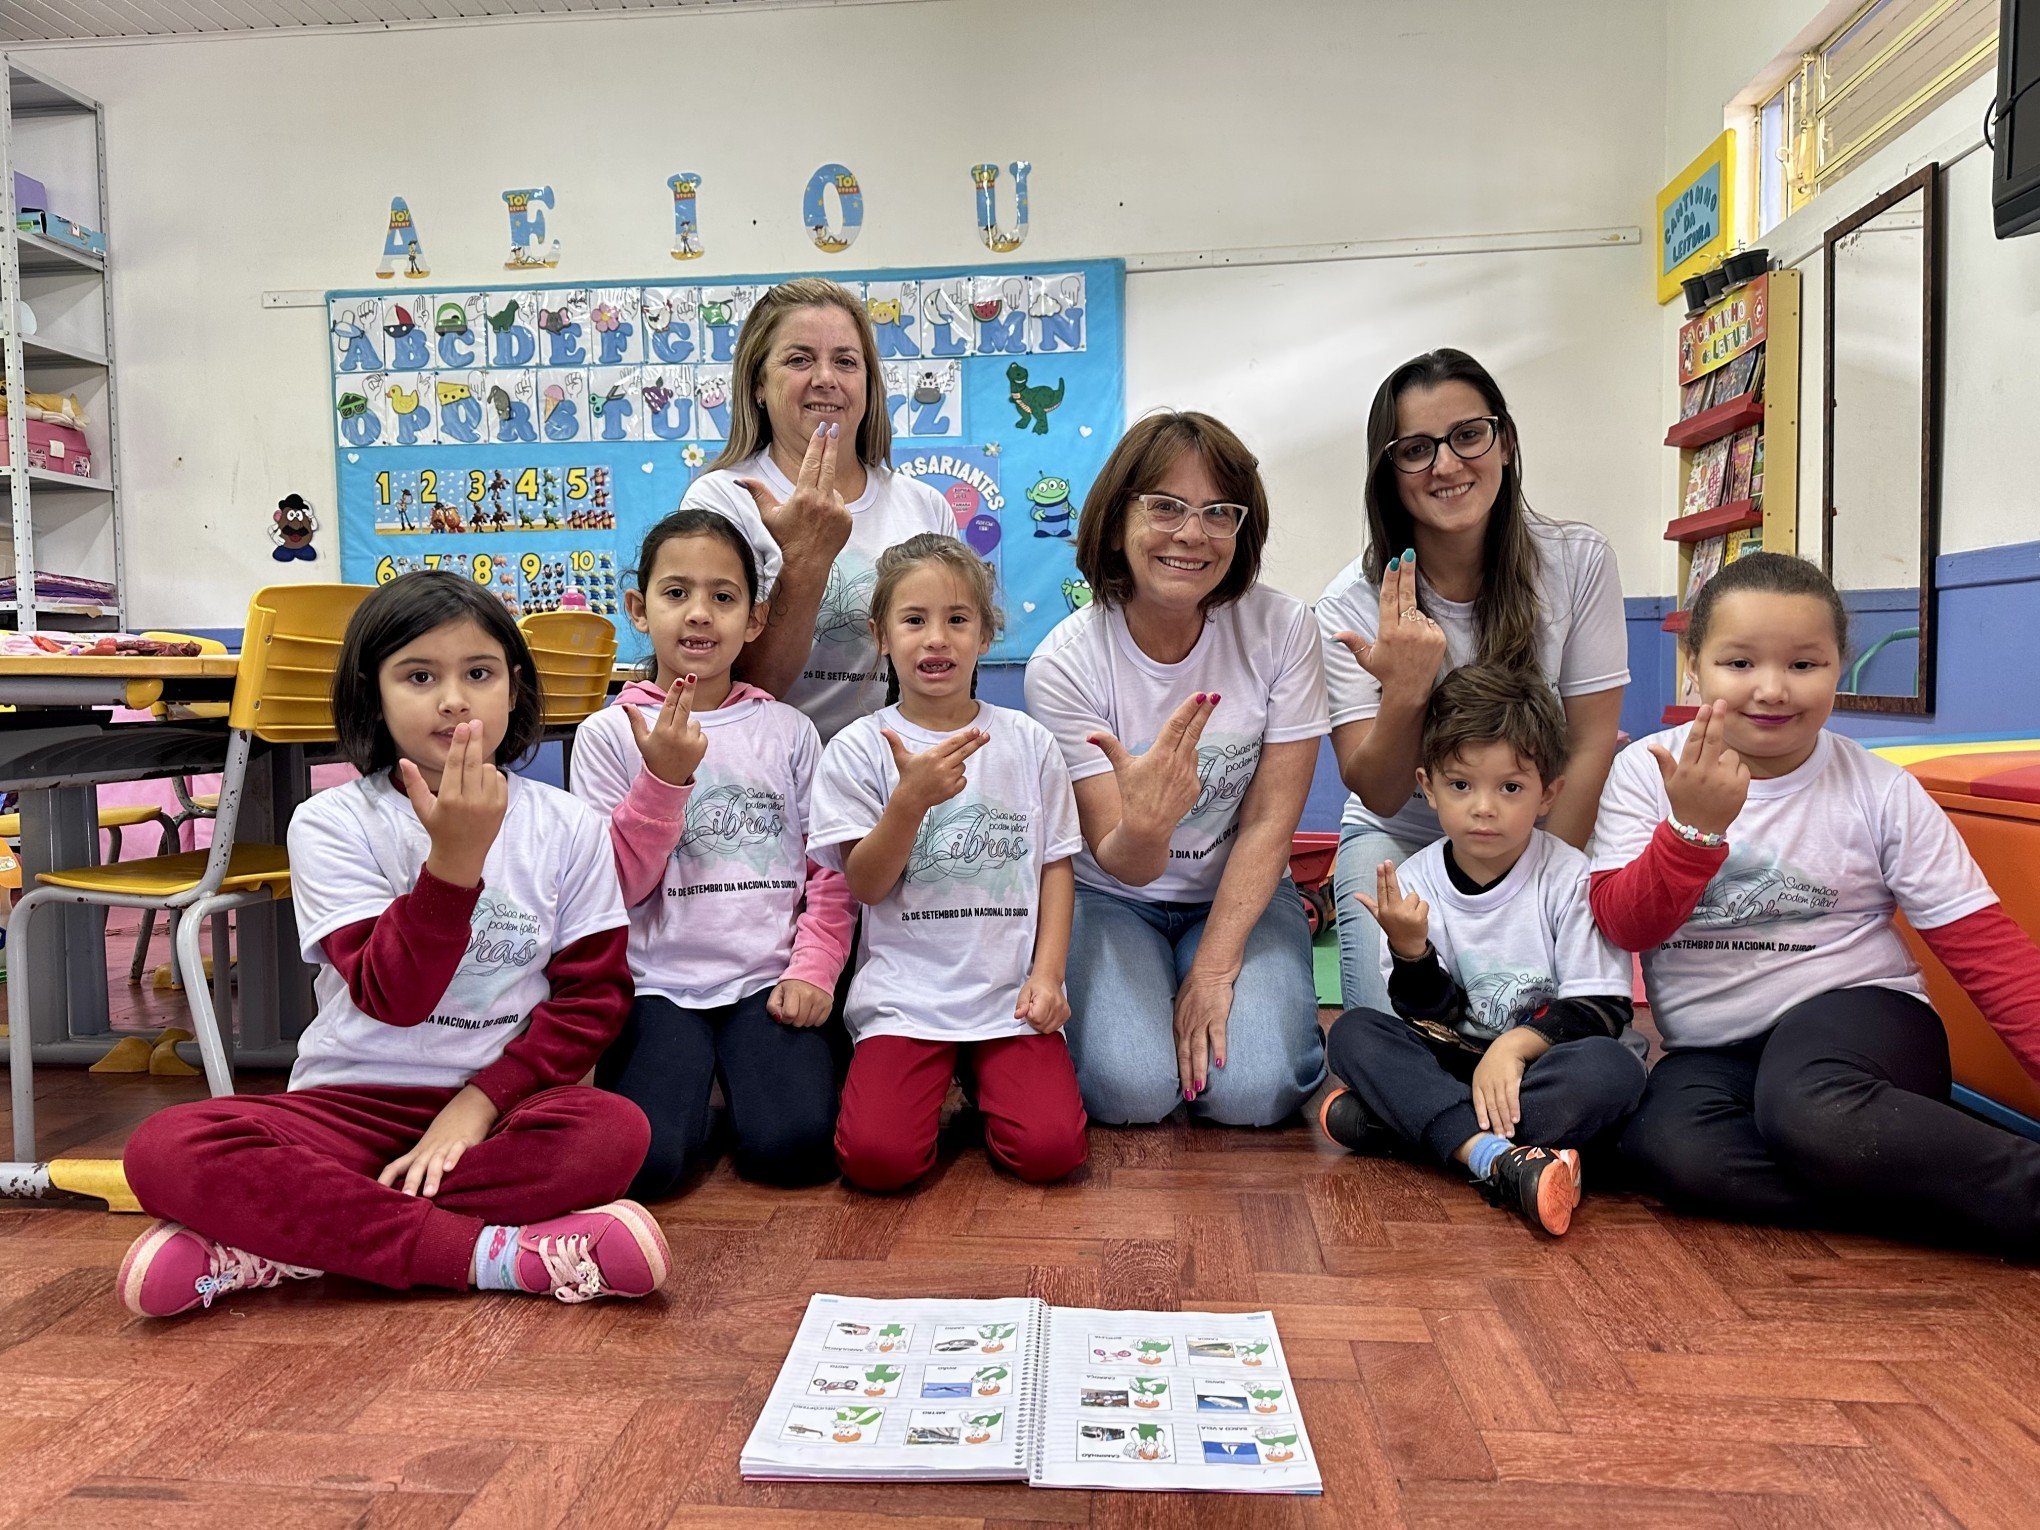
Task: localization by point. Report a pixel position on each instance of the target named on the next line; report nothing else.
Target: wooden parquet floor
(1454, 1368)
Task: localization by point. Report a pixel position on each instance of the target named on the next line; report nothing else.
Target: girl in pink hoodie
(736, 937)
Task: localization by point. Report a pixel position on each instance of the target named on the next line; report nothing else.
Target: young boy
(1507, 1049)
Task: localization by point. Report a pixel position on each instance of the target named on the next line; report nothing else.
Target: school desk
(56, 747)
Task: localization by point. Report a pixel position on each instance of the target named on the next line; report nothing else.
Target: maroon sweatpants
(291, 1177)
(1026, 1087)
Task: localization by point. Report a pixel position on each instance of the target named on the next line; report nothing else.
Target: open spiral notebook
(1013, 1389)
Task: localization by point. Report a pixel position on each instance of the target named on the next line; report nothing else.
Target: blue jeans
(1127, 959)
(1362, 848)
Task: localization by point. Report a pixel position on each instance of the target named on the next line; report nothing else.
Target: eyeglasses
(1468, 439)
(1165, 512)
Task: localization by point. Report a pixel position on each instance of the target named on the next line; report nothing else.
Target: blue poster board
(528, 436)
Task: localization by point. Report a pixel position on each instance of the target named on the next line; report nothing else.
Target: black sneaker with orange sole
(1345, 1118)
(1540, 1186)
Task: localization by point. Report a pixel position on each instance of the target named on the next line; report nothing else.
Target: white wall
(1990, 367)
(259, 163)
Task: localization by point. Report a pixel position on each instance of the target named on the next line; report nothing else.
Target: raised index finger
(811, 459)
(1195, 731)
(827, 481)
(1179, 722)
(679, 701)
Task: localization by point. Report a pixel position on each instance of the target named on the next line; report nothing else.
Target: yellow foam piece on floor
(163, 982)
(130, 1054)
(163, 1059)
(105, 1178)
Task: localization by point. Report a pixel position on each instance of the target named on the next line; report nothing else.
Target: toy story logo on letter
(1696, 216)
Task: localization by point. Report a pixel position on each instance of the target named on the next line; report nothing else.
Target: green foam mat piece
(1324, 961)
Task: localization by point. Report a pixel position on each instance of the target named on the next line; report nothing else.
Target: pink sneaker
(613, 1250)
(171, 1269)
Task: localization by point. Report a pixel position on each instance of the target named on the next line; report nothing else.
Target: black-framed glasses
(1165, 512)
(1468, 439)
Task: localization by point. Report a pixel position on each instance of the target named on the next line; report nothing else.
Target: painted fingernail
(1189, 1094)
(1410, 556)
(1198, 698)
(1214, 698)
(690, 680)
(835, 431)
(1394, 563)
(1221, 1062)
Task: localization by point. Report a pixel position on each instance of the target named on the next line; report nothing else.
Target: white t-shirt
(721, 924)
(943, 956)
(1260, 653)
(1527, 940)
(843, 678)
(1802, 906)
(1582, 642)
(548, 881)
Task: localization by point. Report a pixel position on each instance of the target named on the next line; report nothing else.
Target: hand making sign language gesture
(1408, 646)
(465, 814)
(812, 522)
(936, 773)
(1709, 781)
(672, 743)
(1404, 917)
(1158, 787)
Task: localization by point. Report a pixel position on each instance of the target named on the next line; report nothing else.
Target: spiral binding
(1034, 1406)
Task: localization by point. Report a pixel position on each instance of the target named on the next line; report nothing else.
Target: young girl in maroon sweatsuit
(470, 940)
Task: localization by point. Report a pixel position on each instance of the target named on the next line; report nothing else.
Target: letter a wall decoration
(403, 245)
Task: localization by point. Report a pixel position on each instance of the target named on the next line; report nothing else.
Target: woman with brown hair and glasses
(1457, 569)
(1188, 700)
(807, 473)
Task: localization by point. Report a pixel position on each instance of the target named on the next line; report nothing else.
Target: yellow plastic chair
(575, 652)
(282, 695)
(189, 807)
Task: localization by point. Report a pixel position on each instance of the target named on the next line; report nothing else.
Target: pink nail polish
(1189, 1094)
(1214, 698)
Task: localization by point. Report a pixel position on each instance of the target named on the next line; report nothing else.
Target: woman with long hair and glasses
(1188, 699)
(1457, 569)
(807, 473)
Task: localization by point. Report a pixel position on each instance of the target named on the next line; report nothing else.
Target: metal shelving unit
(57, 522)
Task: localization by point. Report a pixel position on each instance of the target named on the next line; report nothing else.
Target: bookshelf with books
(1737, 436)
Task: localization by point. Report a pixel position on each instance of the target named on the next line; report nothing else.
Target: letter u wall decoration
(986, 178)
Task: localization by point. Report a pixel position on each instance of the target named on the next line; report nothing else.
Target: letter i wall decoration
(686, 226)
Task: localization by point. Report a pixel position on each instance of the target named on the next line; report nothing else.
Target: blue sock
(496, 1259)
(1487, 1147)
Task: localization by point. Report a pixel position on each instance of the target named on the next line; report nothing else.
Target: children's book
(1737, 378)
(1740, 542)
(1707, 556)
(1693, 398)
(1742, 456)
(1715, 470)
(1011, 1389)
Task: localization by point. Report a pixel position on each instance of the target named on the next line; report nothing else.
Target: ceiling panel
(80, 20)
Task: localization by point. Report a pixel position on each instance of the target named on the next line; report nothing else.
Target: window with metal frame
(1890, 64)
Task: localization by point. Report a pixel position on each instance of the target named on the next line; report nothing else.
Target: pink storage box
(55, 448)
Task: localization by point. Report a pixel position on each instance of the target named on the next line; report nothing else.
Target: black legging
(778, 1081)
(1838, 1114)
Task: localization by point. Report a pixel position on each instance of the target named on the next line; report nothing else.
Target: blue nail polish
(1410, 556)
(1394, 563)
